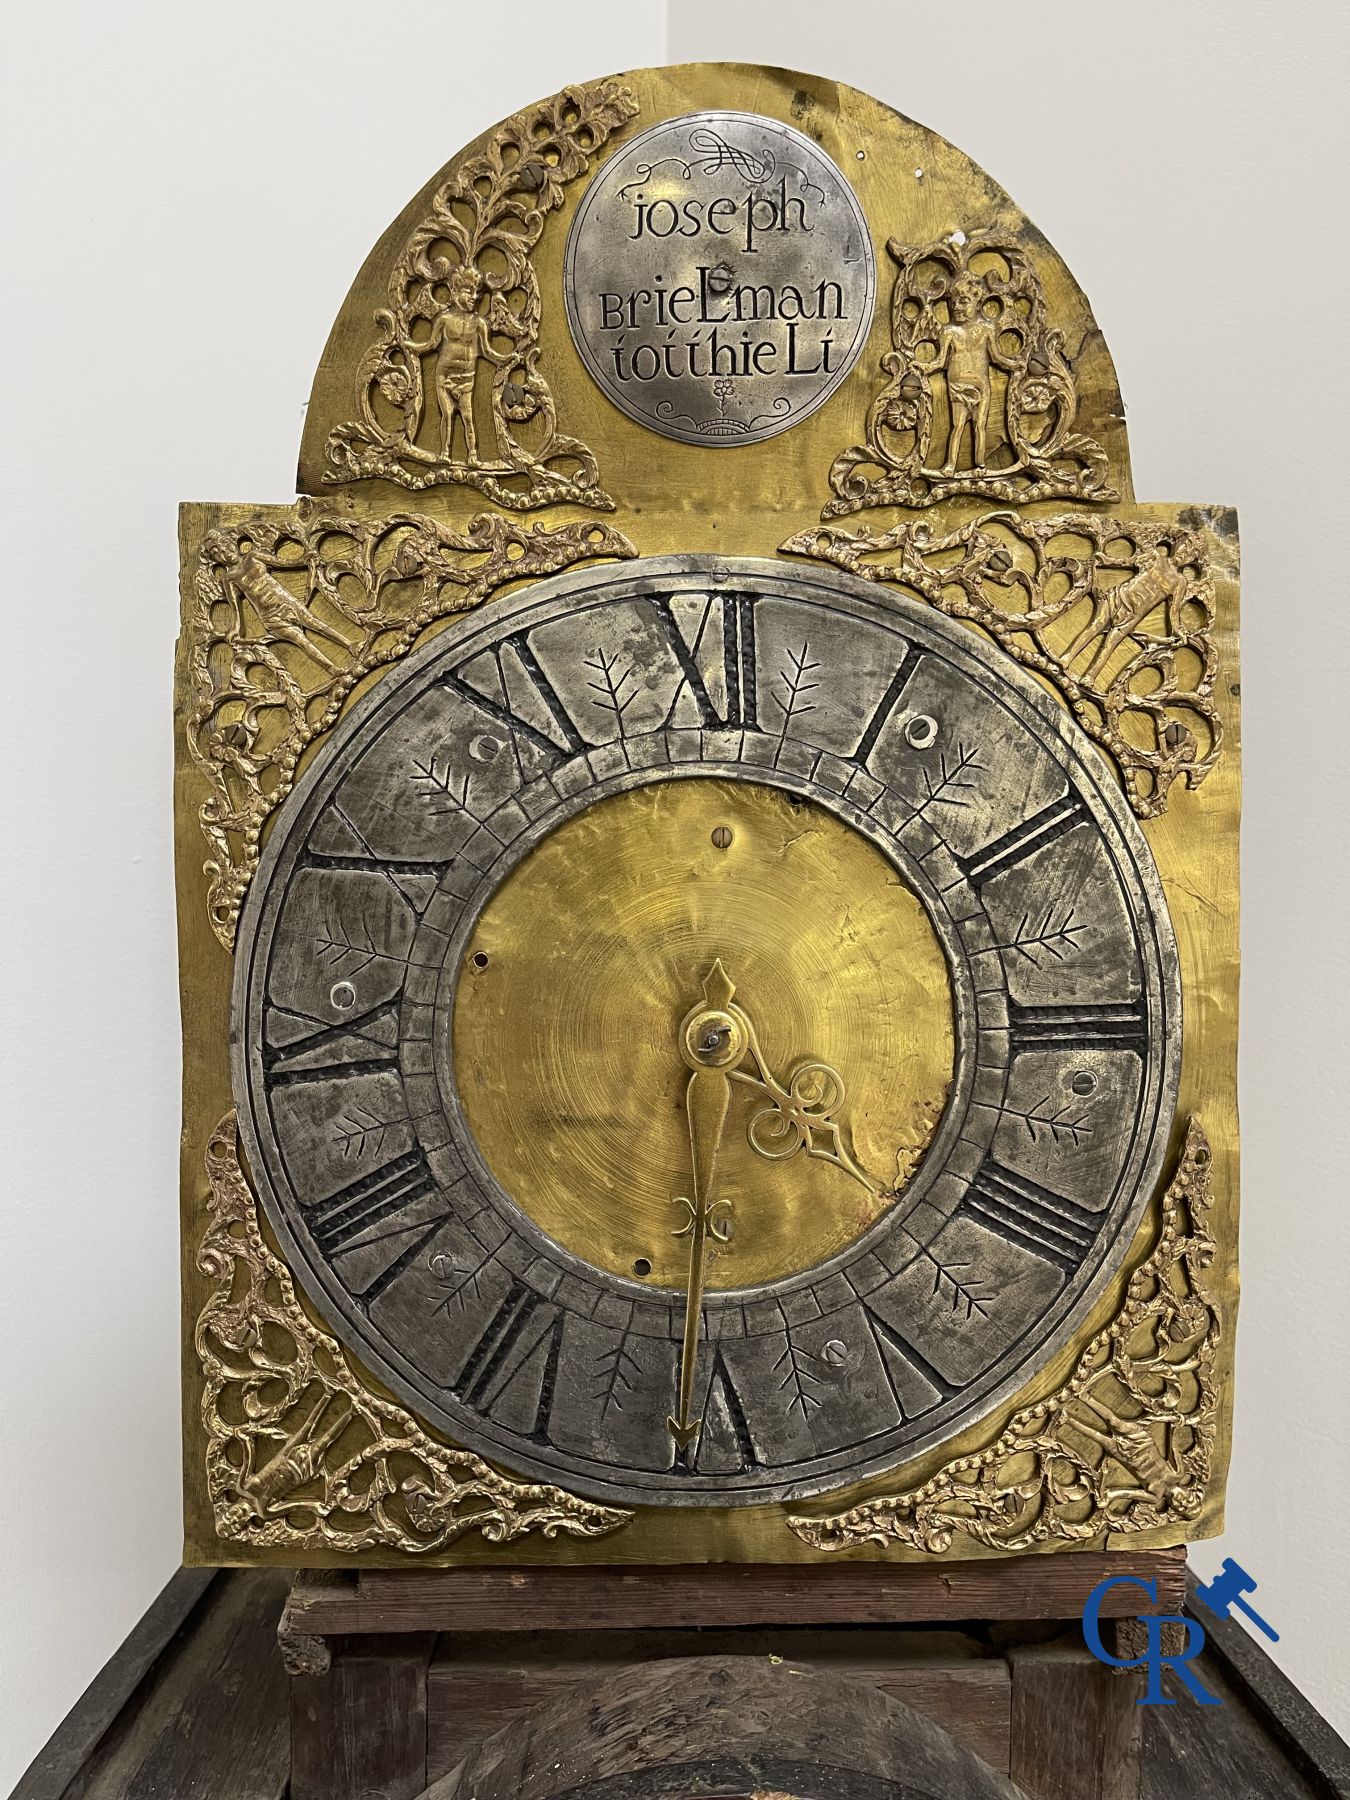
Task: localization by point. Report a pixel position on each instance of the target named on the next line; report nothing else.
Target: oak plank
(1076, 1725)
(361, 1729)
(1269, 1696)
(212, 1720)
(1195, 1752)
(93, 1715)
(730, 1594)
(721, 1725)
(478, 1684)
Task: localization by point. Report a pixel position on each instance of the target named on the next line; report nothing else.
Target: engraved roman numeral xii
(741, 709)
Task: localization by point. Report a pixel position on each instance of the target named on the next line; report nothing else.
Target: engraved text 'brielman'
(720, 278)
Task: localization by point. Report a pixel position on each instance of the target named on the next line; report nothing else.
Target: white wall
(1188, 162)
(194, 186)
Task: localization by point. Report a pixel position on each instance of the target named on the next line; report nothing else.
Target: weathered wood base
(478, 1684)
(400, 1676)
(724, 1728)
(330, 1603)
(163, 1691)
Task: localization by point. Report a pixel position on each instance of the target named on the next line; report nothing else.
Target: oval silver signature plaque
(719, 278)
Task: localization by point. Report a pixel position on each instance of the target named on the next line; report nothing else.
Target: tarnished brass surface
(302, 1453)
(1125, 1445)
(718, 1040)
(594, 946)
(1117, 616)
(915, 189)
(288, 610)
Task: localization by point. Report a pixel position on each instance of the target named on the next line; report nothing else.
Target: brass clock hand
(713, 1038)
(799, 1116)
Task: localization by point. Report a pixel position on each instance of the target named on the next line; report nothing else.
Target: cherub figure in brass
(974, 359)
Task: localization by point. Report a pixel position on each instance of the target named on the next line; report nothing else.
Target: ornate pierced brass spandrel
(1125, 1445)
(301, 1453)
(463, 315)
(288, 611)
(1117, 615)
(981, 398)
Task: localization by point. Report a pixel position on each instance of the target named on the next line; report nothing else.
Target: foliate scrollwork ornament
(1125, 1445)
(464, 298)
(288, 611)
(981, 398)
(1117, 615)
(301, 1454)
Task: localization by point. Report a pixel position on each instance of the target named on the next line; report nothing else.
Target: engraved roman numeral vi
(1035, 1218)
(722, 1389)
(901, 1362)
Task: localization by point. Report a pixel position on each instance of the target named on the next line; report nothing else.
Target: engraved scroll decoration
(289, 611)
(464, 303)
(301, 1454)
(1126, 1444)
(981, 398)
(1116, 615)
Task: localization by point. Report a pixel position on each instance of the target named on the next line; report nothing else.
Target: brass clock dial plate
(611, 916)
(373, 1076)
